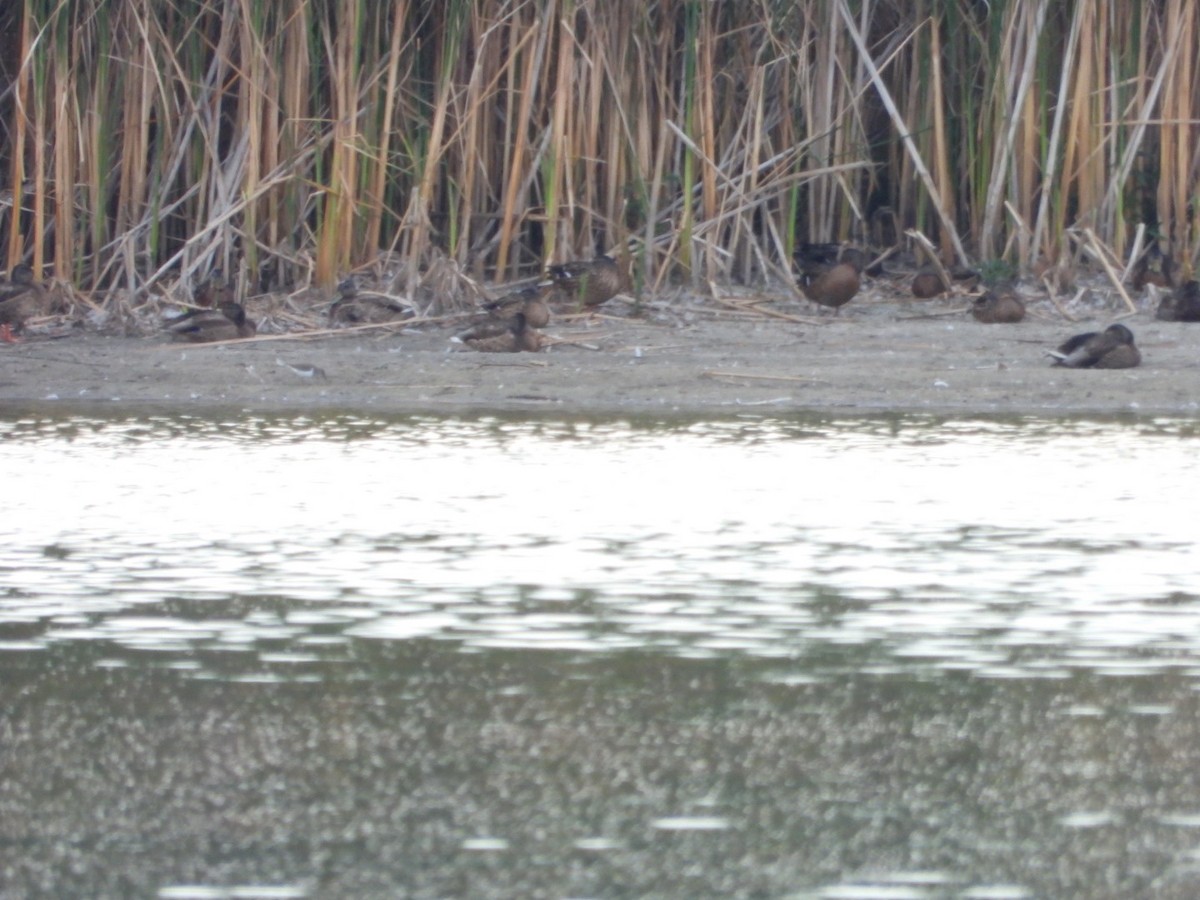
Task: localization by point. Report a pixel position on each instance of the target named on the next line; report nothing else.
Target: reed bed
(149, 142)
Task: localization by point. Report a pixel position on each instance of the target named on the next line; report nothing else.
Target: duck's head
(1119, 333)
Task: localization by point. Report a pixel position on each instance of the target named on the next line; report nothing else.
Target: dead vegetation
(435, 148)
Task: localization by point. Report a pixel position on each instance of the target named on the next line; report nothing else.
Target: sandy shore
(878, 355)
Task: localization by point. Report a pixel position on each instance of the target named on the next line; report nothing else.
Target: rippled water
(890, 657)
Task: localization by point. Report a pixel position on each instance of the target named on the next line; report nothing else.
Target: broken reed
(151, 140)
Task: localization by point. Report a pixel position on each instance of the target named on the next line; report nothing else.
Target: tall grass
(149, 141)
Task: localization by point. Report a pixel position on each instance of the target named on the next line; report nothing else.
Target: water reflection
(973, 544)
(760, 657)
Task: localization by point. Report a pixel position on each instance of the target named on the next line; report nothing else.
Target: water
(811, 657)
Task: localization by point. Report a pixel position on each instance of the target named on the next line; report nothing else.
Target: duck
(1181, 305)
(1154, 267)
(354, 308)
(21, 298)
(818, 254)
(530, 301)
(495, 335)
(303, 369)
(215, 291)
(993, 308)
(855, 257)
(590, 282)
(204, 326)
(927, 283)
(884, 230)
(1112, 348)
(828, 282)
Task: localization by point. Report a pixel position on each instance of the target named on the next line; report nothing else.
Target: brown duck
(204, 326)
(21, 298)
(826, 283)
(994, 308)
(1111, 348)
(1181, 305)
(215, 291)
(1154, 267)
(354, 308)
(590, 282)
(496, 335)
(927, 283)
(530, 301)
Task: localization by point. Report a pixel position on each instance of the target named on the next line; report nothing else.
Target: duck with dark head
(1112, 348)
(588, 282)
(1154, 267)
(530, 301)
(1181, 305)
(227, 323)
(497, 335)
(828, 277)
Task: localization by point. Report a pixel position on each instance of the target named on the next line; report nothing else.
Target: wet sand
(877, 355)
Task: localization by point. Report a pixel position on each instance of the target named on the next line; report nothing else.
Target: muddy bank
(878, 355)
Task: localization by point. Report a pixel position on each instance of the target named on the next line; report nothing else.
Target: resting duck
(995, 308)
(530, 301)
(1182, 305)
(369, 308)
(829, 282)
(928, 283)
(1154, 267)
(590, 282)
(205, 326)
(495, 335)
(1111, 348)
(21, 298)
(215, 291)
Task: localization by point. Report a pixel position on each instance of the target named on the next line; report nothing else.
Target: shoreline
(874, 359)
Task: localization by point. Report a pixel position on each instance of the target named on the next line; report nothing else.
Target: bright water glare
(777, 579)
(956, 542)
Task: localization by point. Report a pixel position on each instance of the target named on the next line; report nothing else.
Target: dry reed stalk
(750, 376)
(388, 100)
(1022, 32)
(1047, 191)
(1135, 251)
(64, 159)
(335, 234)
(512, 206)
(1104, 258)
(1083, 152)
(919, 164)
(1178, 142)
(703, 138)
(20, 97)
(765, 312)
(941, 149)
(934, 259)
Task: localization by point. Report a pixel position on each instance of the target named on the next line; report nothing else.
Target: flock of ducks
(830, 276)
(511, 324)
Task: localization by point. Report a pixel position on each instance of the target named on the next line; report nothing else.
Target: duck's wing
(1082, 350)
(207, 326)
